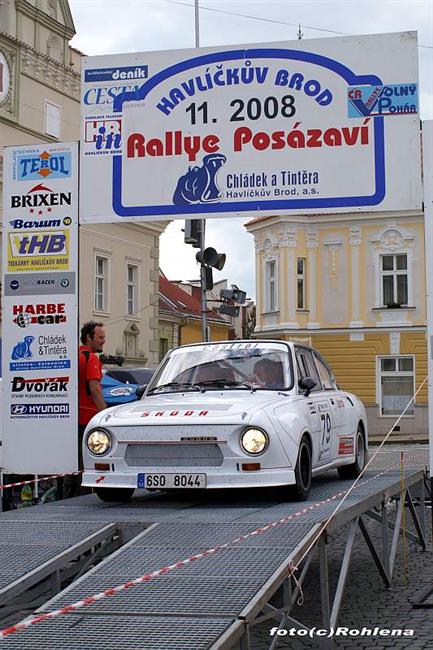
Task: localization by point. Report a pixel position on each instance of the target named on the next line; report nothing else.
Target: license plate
(169, 481)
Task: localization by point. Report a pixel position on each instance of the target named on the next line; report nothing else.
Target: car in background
(120, 385)
(229, 414)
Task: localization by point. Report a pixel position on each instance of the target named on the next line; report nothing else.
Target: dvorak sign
(317, 125)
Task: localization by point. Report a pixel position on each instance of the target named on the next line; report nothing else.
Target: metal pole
(197, 23)
(204, 330)
(427, 151)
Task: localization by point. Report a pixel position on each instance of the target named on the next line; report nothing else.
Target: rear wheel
(355, 469)
(114, 494)
(301, 490)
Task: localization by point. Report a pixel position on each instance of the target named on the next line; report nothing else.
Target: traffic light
(192, 232)
(210, 259)
(234, 294)
(230, 296)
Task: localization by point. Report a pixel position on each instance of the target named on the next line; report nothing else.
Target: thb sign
(270, 129)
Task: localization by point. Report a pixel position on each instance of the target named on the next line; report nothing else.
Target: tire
(114, 494)
(303, 472)
(355, 469)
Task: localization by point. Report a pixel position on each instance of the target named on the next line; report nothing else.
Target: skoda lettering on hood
(235, 414)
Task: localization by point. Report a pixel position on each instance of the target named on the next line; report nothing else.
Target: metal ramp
(32, 553)
(214, 602)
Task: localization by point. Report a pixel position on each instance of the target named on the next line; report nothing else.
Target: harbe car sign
(312, 125)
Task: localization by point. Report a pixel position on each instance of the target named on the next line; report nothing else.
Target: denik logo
(45, 385)
(22, 350)
(39, 409)
(117, 74)
(54, 165)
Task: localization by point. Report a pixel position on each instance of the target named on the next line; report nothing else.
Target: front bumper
(215, 480)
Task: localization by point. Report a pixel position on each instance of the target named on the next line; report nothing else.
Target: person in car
(269, 374)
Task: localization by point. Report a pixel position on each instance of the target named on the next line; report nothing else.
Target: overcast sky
(116, 26)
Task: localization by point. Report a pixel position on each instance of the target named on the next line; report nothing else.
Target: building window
(394, 280)
(52, 119)
(271, 286)
(131, 289)
(396, 381)
(101, 283)
(301, 266)
(163, 348)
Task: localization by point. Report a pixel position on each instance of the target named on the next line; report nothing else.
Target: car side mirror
(307, 384)
(139, 391)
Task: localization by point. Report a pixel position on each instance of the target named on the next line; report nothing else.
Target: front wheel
(355, 469)
(114, 494)
(303, 472)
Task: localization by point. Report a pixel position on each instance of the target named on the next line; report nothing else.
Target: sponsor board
(23, 224)
(103, 136)
(31, 167)
(40, 308)
(102, 98)
(40, 387)
(39, 410)
(39, 314)
(137, 72)
(262, 130)
(38, 251)
(40, 198)
(369, 101)
(39, 284)
(43, 352)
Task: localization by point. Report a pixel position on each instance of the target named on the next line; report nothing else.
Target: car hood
(229, 405)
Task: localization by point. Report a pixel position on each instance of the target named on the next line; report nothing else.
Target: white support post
(427, 149)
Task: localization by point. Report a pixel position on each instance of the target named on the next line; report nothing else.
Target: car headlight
(254, 441)
(98, 442)
(121, 390)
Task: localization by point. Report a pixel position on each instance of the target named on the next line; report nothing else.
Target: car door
(319, 407)
(336, 416)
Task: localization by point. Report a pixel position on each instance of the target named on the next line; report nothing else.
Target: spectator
(90, 398)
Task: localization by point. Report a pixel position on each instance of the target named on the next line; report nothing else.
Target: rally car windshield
(253, 366)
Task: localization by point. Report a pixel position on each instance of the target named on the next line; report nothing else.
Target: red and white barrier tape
(104, 476)
(162, 571)
(40, 478)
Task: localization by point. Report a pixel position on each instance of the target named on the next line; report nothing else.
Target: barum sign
(307, 126)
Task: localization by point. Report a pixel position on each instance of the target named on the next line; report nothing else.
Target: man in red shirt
(90, 397)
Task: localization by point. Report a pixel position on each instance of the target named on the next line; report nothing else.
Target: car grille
(173, 455)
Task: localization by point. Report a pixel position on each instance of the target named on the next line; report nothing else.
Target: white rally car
(228, 414)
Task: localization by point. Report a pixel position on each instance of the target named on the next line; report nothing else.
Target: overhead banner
(310, 126)
(40, 308)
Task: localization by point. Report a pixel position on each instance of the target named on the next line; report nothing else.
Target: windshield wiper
(175, 384)
(222, 383)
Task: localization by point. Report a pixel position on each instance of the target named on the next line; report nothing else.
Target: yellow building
(353, 287)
